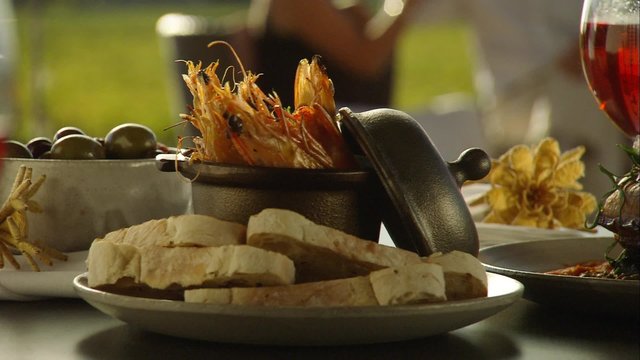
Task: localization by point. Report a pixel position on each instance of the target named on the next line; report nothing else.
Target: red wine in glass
(611, 62)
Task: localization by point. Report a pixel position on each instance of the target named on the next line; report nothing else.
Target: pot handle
(472, 164)
(169, 162)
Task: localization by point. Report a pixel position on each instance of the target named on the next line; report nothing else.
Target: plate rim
(132, 302)
(346, 325)
(573, 280)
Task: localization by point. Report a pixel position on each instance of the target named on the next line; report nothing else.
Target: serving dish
(334, 198)
(491, 234)
(416, 196)
(53, 281)
(527, 262)
(85, 199)
(301, 326)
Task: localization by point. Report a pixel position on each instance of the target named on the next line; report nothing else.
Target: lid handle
(472, 164)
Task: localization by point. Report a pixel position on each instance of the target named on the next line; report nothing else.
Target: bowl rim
(34, 163)
(212, 173)
(32, 160)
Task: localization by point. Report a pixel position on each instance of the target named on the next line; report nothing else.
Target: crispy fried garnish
(14, 225)
(538, 187)
(241, 124)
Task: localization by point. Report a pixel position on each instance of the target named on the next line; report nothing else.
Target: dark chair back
(186, 37)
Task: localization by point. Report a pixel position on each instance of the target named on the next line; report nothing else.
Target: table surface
(72, 329)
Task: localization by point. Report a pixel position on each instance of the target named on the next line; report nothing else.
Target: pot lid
(419, 194)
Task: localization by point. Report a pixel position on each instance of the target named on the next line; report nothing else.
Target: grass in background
(99, 66)
(432, 61)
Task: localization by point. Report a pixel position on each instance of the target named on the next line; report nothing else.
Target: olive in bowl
(15, 149)
(67, 130)
(77, 147)
(39, 146)
(130, 141)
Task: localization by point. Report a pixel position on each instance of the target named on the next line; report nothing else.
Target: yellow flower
(539, 187)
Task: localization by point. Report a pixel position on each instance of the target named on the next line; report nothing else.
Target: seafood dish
(240, 124)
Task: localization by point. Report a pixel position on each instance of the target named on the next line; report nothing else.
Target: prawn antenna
(233, 51)
(233, 76)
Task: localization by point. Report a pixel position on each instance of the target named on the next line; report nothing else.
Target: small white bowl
(85, 199)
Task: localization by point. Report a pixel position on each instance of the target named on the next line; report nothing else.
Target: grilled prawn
(240, 124)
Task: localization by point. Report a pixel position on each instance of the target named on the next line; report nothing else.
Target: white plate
(528, 261)
(55, 281)
(496, 234)
(298, 325)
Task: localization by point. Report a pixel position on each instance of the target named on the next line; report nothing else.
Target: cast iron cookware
(419, 198)
(336, 198)
(403, 180)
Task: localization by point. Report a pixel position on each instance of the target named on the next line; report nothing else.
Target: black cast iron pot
(339, 199)
(404, 182)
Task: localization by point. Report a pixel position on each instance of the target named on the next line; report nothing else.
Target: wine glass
(610, 45)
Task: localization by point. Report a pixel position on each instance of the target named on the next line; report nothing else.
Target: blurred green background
(96, 64)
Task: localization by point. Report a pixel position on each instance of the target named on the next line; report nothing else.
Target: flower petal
(573, 154)
(583, 201)
(494, 217)
(521, 160)
(571, 218)
(503, 175)
(499, 198)
(525, 218)
(543, 177)
(568, 173)
(547, 155)
(561, 201)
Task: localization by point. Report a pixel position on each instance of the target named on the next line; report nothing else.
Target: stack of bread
(279, 258)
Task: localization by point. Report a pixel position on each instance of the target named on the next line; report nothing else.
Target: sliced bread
(464, 274)
(124, 268)
(320, 252)
(183, 230)
(417, 283)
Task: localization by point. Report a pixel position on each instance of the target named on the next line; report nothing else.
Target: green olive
(14, 149)
(67, 130)
(77, 146)
(38, 146)
(130, 141)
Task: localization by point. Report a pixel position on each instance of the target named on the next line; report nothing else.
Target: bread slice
(417, 283)
(162, 271)
(109, 263)
(183, 230)
(464, 274)
(320, 252)
(356, 291)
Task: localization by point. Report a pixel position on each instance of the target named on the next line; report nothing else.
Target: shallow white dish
(495, 234)
(55, 281)
(301, 326)
(527, 262)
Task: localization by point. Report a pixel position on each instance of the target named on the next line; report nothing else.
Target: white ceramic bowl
(85, 199)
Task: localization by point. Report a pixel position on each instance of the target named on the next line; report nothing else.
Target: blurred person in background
(356, 45)
(8, 53)
(529, 80)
